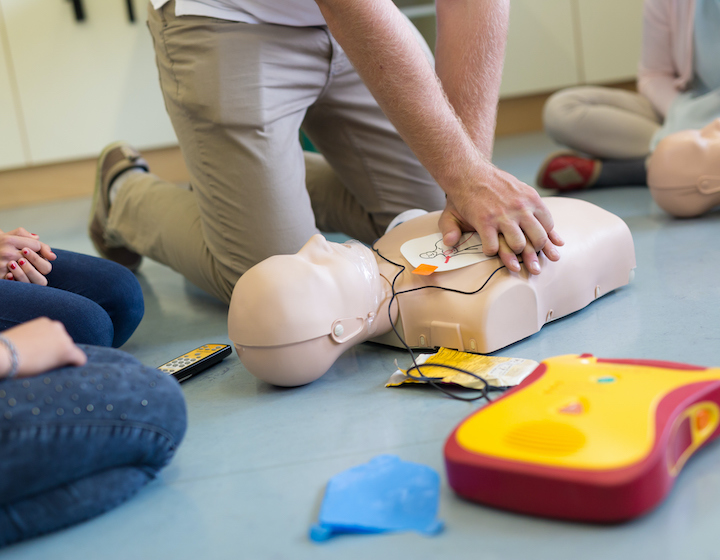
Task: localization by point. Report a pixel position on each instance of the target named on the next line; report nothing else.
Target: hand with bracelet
(36, 347)
(65, 412)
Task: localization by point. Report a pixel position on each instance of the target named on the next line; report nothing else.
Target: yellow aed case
(586, 438)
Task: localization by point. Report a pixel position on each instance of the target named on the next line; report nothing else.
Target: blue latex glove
(386, 494)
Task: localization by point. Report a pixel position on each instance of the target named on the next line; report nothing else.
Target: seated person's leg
(601, 122)
(77, 441)
(111, 286)
(86, 321)
(611, 127)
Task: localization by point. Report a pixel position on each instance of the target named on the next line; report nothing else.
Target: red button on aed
(572, 408)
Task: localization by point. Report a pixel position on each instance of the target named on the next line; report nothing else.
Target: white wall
(11, 149)
(82, 85)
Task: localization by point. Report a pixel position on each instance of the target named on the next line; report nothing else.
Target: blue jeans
(78, 441)
(99, 302)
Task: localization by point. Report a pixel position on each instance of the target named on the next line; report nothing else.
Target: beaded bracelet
(14, 361)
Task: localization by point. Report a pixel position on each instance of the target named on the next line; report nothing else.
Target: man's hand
(25, 257)
(509, 216)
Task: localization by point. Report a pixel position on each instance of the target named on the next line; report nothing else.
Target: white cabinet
(11, 148)
(559, 43)
(611, 35)
(84, 84)
(540, 54)
(67, 88)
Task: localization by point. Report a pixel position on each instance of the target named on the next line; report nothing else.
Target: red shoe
(567, 171)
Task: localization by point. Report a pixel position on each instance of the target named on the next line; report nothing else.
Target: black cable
(434, 381)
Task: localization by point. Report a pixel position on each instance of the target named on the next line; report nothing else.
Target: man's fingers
(507, 255)
(449, 227)
(543, 215)
(551, 252)
(514, 237)
(535, 233)
(510, 259)
(530, 259)
(556, 238)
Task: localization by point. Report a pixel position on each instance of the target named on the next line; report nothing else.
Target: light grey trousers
(602, 122)
(237, 96)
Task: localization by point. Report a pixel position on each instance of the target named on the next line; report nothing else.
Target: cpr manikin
(684, 171)
(291, 316)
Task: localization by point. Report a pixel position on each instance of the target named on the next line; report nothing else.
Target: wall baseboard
(75, 179)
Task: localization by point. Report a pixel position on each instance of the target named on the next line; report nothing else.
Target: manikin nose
(316, 246)
(318, 243)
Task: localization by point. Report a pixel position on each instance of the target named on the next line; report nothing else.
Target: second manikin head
(684, 171)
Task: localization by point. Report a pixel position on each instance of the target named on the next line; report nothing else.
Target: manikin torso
(291, 316)
(597, 258)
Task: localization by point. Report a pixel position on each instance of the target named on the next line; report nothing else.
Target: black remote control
(193, 362)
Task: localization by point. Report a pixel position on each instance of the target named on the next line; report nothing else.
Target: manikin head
(291, 316)
(684, 171)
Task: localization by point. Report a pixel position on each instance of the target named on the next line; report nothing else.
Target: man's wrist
(469, 175)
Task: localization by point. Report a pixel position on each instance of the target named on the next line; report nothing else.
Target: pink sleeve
(657, 74)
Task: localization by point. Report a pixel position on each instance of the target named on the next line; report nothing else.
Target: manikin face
(293, 298)
(682, 158)
(684, 171)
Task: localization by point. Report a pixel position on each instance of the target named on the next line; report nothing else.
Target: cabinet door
(540, 54)
(611, 32)
(85, 84)
(11, 150)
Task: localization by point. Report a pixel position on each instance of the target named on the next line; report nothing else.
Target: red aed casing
(586, 439)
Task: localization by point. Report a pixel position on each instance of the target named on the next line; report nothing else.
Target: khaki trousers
(237, 96)
(602, 122)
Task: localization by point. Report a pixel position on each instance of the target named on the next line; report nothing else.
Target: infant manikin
(684, 171)
(291, 316)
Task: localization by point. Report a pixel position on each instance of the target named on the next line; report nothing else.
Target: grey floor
(248, 480)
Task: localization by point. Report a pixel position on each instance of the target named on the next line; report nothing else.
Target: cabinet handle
(79, 10)
(131, 11)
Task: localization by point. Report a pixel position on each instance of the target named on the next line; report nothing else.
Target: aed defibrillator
(586, 438)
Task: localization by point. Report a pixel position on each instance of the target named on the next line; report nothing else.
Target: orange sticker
(425, 270)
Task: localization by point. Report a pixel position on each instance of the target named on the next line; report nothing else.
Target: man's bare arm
(387, 56)
(469, 55)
